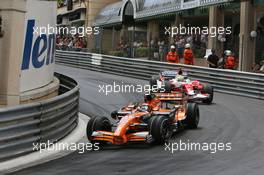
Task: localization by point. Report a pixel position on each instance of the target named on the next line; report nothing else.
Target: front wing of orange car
(119, 140)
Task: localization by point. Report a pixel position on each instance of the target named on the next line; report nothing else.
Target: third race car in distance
(178, 81)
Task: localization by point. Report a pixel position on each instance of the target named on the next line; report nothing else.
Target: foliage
(141, 52)
(198, 53)
(60, 1)
(117, 53)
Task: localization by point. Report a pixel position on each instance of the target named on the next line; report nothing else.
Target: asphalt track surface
(232, 119)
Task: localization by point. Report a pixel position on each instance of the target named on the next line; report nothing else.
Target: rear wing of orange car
(170, 96)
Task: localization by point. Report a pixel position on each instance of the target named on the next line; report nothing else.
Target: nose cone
(119, 140)
(120, 132)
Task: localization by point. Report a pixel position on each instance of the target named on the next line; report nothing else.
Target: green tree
(58, 1)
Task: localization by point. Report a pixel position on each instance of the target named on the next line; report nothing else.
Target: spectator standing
(213, 59)
(189, 39)
(204, 41)
(230, 61)
(172, 56)
(151, 55)
(262, 66)
(70, 45)
(188, 55)
(180, 44)
(161, 50)
(255, 67)
(156, 50)
(135, 46)
(222, 61)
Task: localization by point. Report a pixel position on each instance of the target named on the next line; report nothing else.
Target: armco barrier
(40, 122)
(225, 81)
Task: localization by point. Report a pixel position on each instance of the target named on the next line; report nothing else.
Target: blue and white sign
(37, 67)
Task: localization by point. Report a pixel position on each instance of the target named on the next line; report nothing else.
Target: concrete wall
(107, 40)
(93, 8)
(76, 5)
(63, 10)
(152, 30)
(13, 13)
(216, 19)
(11, 49)
(247, 44)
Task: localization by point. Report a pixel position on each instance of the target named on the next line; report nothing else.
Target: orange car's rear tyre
(97, 124)
(193, 115)
(159, 129)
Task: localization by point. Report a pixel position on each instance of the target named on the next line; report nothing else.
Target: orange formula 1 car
(153, 121)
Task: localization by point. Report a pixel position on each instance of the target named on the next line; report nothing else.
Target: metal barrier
(225, 81)
(42, 122)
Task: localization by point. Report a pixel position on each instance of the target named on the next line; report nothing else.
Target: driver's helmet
(179, 78)
(180, 72)
(144, 108)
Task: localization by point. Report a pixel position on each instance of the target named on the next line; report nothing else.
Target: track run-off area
(230, 119)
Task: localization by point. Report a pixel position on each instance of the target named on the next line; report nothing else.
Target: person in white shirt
(262, 66)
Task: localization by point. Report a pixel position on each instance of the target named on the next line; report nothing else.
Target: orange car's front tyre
(153, 80)
(159, 129)
(97, 124)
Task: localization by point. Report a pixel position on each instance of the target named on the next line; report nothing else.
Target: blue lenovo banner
(39, 45)
(43, 47)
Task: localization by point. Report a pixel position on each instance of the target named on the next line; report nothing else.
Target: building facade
(71, 15)
(80, 13)
(146, 21)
